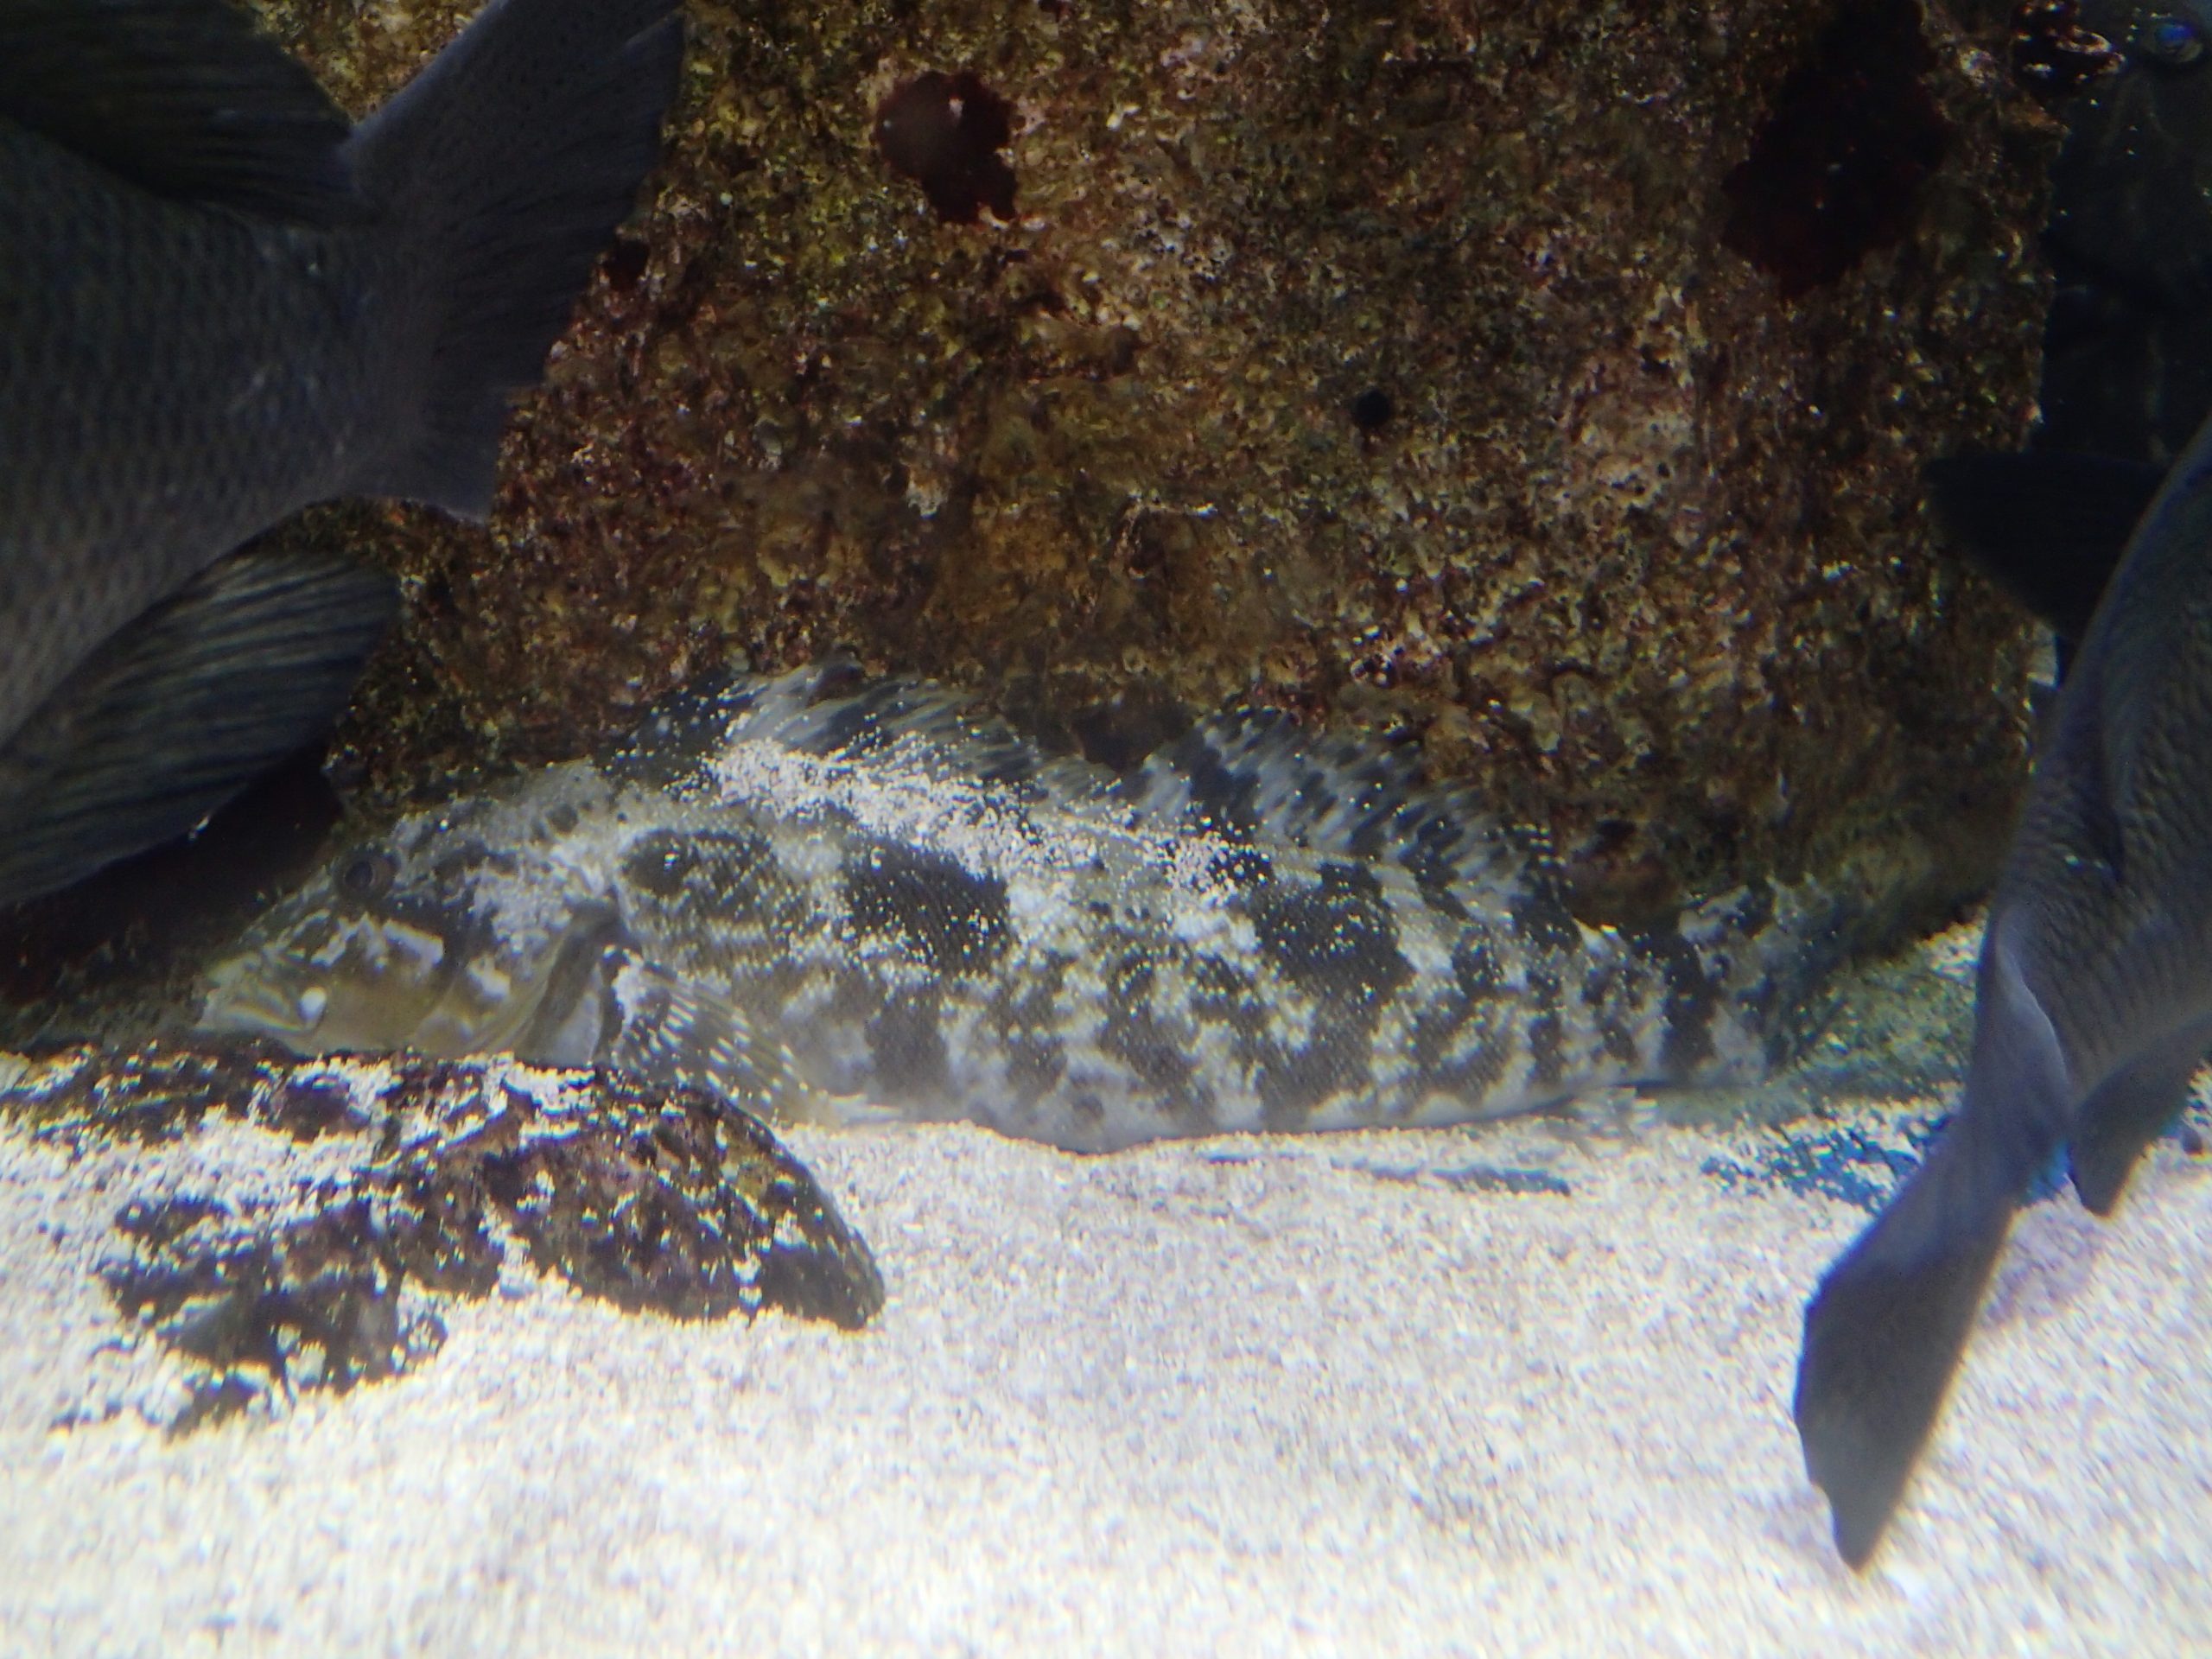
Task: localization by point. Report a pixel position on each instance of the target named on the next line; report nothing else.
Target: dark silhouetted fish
(2093, 1006)
(2127, 353)
(2127, 349)
(220, 302)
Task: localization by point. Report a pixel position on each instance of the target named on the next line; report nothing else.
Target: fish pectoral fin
(670, 1033)
(2049, 526)
(2129, 1110)
(182, 708)
(1885, 1331)
(1882, 1336)
(188, 98)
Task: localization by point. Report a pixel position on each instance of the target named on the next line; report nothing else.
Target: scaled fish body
(220, 302)
(2093, 1006)
(792, 891)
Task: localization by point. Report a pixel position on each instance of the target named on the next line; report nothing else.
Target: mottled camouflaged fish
(803, 888)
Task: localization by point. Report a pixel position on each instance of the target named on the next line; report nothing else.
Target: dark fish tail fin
(1885, 1330)
(180, 710)
(506, 164)
(2129, 1110)
(2049, 526)
(188, 98)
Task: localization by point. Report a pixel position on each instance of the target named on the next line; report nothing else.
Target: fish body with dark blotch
(2094, 1007)
(219, 302)
(854, 899)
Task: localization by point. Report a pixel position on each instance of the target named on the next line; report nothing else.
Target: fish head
(446, 934)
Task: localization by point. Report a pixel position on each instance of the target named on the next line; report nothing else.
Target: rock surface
(270, 1225)
(1549, 379)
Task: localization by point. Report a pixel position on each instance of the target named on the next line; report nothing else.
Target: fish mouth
(256, 998)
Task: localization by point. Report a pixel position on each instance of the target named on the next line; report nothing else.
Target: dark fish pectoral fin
(188, 98)
(1882, 1336)
(508, 162)
(2048, 525)
(182, 709)
(2129, 1110)
(1885, 1330)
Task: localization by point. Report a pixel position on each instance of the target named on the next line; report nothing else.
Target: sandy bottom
(1336, 1396)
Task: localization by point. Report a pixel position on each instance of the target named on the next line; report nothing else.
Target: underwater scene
(1198, 827)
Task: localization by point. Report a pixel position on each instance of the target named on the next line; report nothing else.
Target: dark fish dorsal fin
(182, 709)
(188, 98)
(2048, 526)
(509, 160)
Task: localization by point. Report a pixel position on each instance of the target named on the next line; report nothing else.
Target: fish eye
(2175, 41)
(367, 875)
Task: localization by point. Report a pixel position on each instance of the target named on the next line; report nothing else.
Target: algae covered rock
(1548, 380)
(275, 1225)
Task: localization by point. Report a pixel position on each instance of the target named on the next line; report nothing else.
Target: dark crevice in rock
(1836, 172)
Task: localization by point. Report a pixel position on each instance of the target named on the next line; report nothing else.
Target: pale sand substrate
(1254, 1396)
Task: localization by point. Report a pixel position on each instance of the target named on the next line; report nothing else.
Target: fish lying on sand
(804, 891)
(219, 302)
(2093, 1008)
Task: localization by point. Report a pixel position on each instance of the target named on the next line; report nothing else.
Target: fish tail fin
(506, 164)
(1885, 1331)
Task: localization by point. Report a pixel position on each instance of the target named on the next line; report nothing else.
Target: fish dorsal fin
(186, 98)
(182, 709)
(1254, 774)
(1247, 775)
(2048, 526)
(831, 710)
